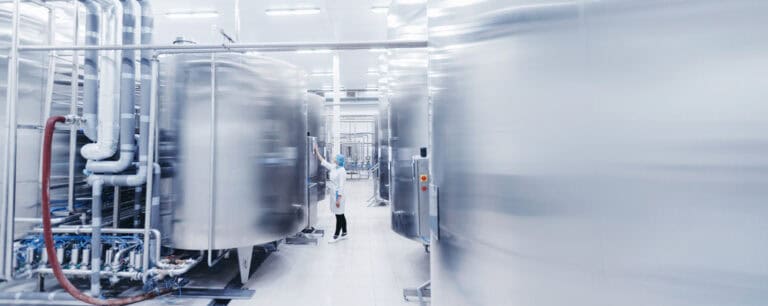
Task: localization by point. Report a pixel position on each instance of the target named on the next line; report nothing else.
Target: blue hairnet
(340, 160)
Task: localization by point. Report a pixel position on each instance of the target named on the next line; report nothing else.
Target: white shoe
(333, 240)
(342, 237)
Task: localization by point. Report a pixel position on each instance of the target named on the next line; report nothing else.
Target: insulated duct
(109, 85)
(127, 104)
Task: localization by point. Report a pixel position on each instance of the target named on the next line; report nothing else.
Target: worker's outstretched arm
(323, 162)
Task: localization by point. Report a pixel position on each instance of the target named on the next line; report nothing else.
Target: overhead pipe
(48, 233)
(127, 104)
(109, 86)
(262, 47)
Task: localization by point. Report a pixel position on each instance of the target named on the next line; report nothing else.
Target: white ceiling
(339, 21)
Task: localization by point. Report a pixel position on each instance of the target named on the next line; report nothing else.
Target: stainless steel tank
(407, 71)
(600, 153)
(383, 150)
(316, 173)
(316, 124)
(232, 149)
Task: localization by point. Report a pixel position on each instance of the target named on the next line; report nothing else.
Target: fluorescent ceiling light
(314, 51)
(379, 9)
(292, 11)
(373, 73)
(321, 73)
(192, 14)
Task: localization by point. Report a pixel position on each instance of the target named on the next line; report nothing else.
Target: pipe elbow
(99, 150)
(125, 160)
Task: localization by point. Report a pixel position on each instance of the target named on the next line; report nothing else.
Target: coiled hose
(48, 233)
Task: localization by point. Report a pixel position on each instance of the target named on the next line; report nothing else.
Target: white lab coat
(337, 178)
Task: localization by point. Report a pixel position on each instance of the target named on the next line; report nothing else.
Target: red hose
(48, 234)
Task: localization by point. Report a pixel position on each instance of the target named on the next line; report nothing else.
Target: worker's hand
(338, 204)
(314, 145)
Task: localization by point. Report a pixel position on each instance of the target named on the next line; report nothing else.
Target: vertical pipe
(155, 207)
(212, 163)
(147, 26)
(51, 70)
(10, 149)
(75, 84)
(137, 207)
(127, 100)
(106, 144)
(151, 161)
(116, 208)
(91, 70)
(237, 20)
(96, 205)
(336, 121)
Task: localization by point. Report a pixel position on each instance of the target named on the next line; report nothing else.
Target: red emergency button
(423, 178)
(424, 188)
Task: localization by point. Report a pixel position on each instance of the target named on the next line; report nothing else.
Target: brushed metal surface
(259, 148)
(316, 126)
(600, 152)
(383, 151)
(407, 72)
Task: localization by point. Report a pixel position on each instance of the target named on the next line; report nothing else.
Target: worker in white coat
(337, 177)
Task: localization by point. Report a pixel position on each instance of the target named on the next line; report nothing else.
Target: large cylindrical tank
(600, 152)
(316, 173)
(382, 147)
(232, 148)
(408, 116)
(316, 126)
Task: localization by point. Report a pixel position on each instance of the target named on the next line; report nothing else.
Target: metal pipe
(140, 177)
(51, 70)
(237, 20)
(169, 270)
(88, 272)
(263, 47)
(12, 95)
(54, 221)
(109, 86)
(91, 65)
(96, 238)
(118, 255)
(212, 163)
(75, 84)
(116, 208)
(87, 230)
(50, 251)
(155, 207)
(137, 206)
(150, 159)
(127, 124)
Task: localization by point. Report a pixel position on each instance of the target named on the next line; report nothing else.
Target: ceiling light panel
(192, 14)
(292, 11)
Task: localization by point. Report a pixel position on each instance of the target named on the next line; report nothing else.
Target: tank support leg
(420, 292)
(244, 256)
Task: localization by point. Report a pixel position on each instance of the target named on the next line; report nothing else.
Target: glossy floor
(370, 268)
